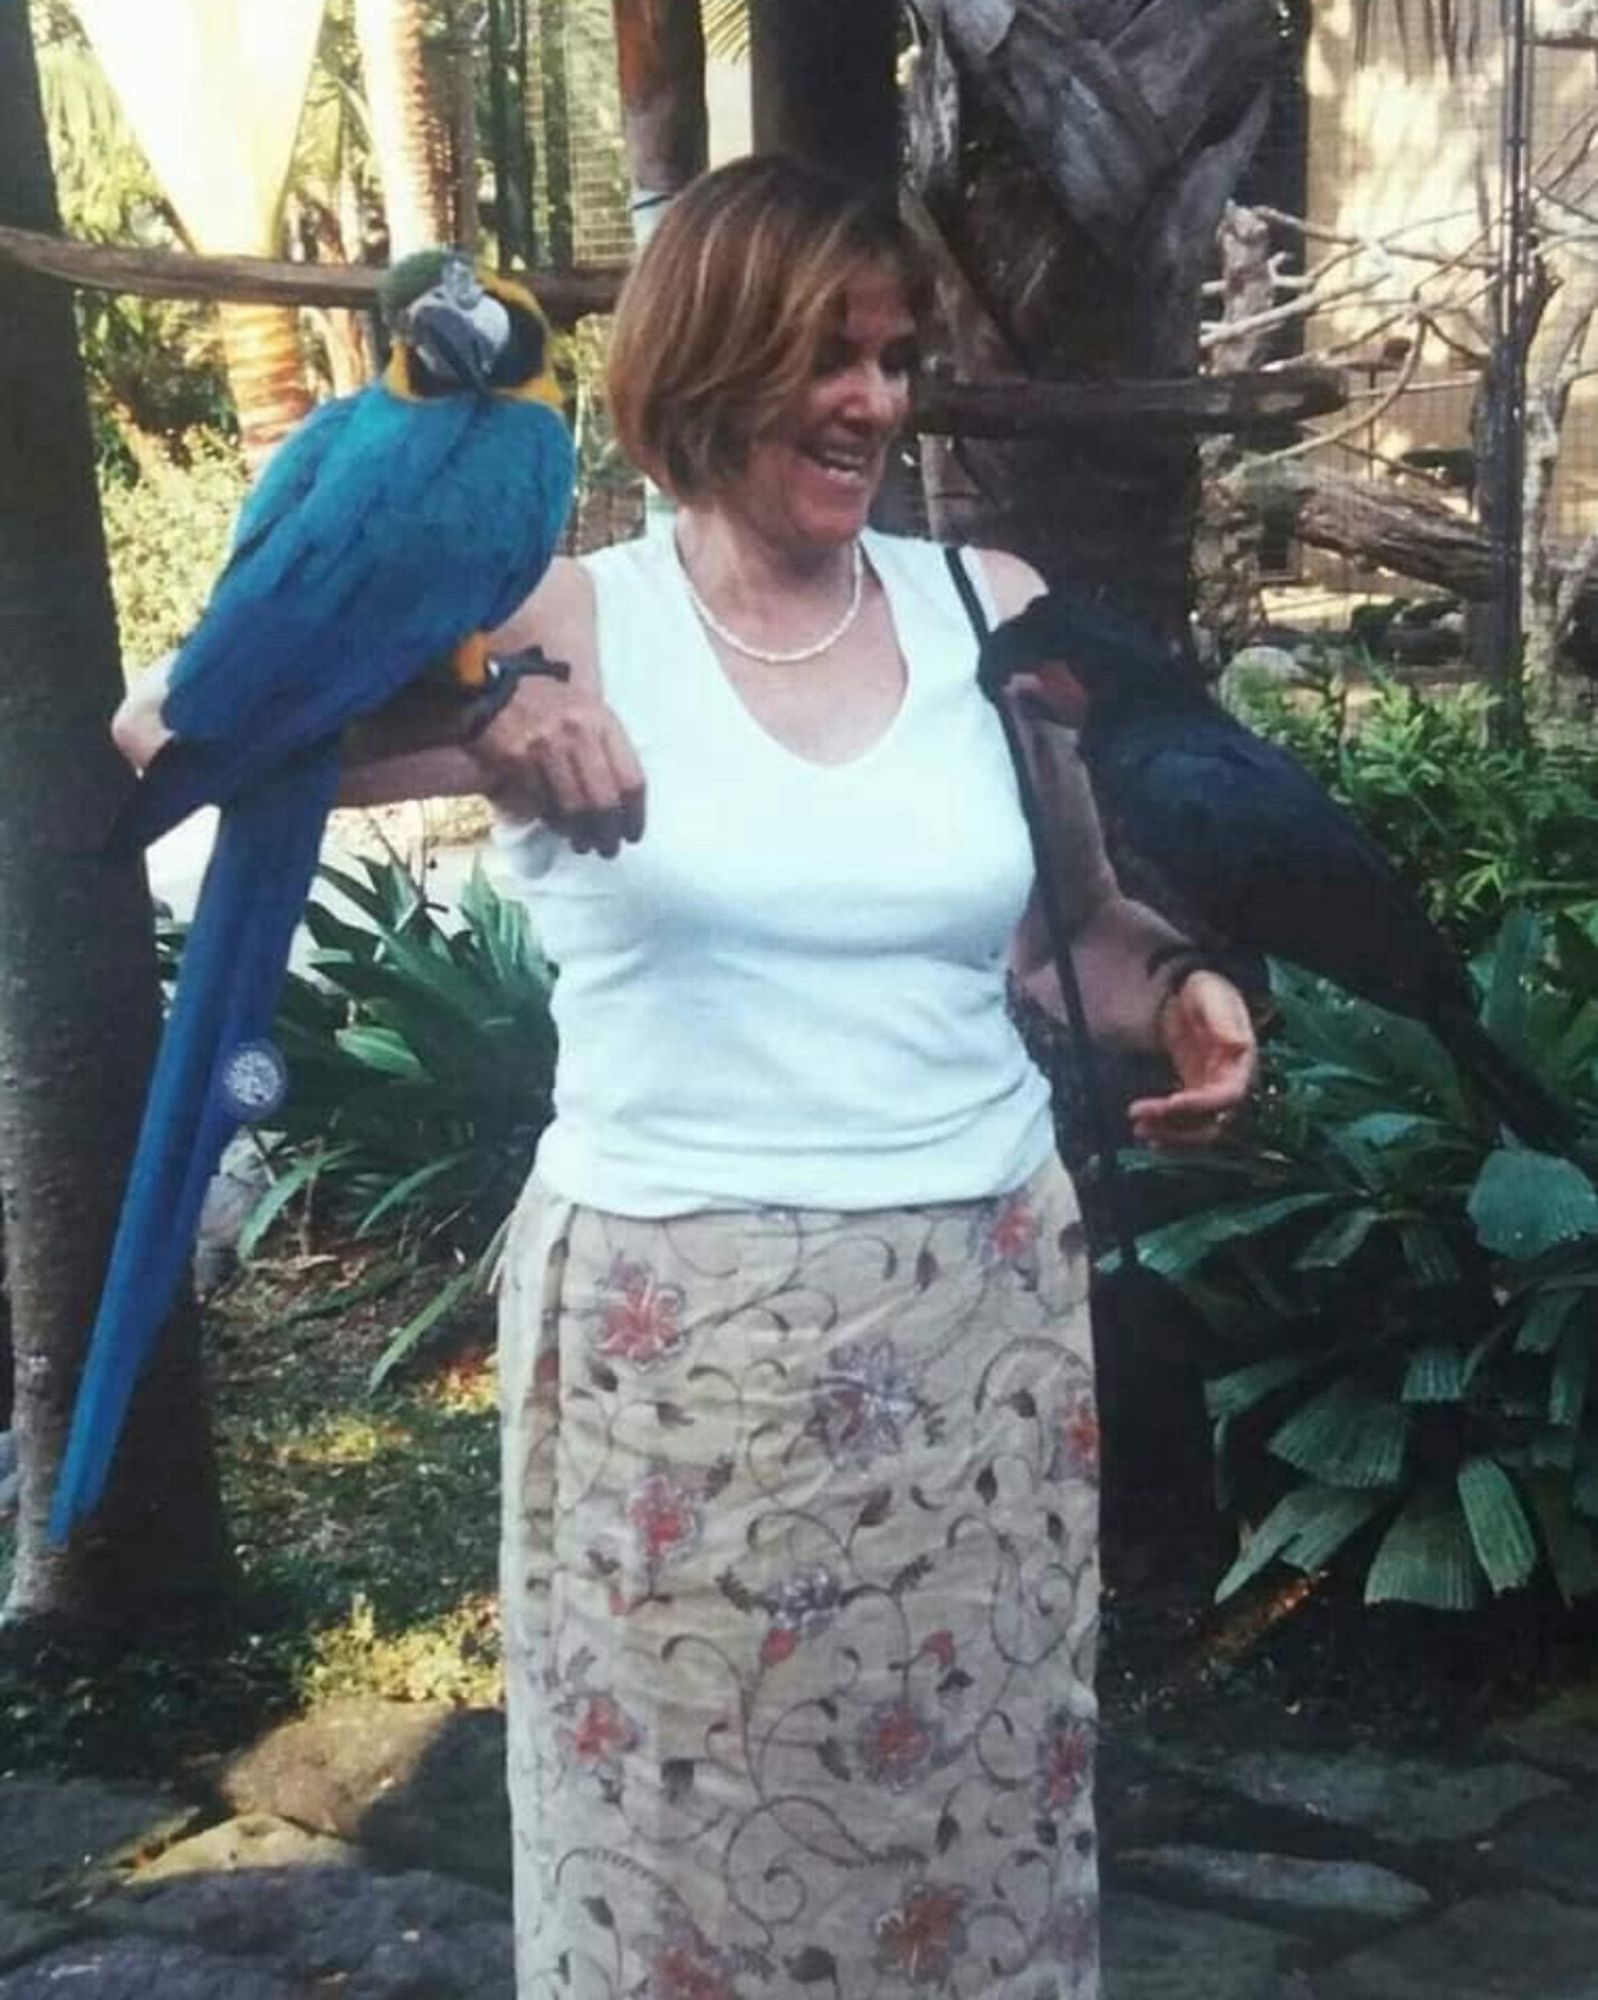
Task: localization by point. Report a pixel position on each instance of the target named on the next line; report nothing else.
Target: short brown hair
(720, 321)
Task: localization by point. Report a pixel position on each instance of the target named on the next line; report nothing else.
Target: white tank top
(792, 989)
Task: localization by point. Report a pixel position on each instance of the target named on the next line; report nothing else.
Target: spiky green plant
(1403, 1303)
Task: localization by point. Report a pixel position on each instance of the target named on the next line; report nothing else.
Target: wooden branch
(1386, 528)
(1020, 407)
(168, 274)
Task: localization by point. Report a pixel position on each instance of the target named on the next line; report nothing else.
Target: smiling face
(807, 483)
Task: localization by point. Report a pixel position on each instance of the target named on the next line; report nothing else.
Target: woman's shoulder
(1011, 583)
(1014, 583)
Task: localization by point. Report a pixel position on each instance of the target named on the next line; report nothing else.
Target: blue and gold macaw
(392, 530)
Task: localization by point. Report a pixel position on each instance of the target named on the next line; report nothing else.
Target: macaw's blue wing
(233, 963)
(381, 537)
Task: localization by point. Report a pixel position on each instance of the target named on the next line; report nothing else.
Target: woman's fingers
(565, 749)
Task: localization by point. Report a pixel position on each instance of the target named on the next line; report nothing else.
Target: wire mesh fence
(1429, 194)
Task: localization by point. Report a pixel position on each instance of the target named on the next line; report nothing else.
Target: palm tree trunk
(660, 62)
(822, 74)
(1075, 160)
(78, 996)
(405, 124)
(266, 372)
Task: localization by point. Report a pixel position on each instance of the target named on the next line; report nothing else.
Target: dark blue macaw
(392, 531)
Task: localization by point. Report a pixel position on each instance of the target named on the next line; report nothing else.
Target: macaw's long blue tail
(233, 964)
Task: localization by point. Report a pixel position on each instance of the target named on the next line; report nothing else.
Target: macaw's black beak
(450, 344)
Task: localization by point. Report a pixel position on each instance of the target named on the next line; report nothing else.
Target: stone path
(364, 1852)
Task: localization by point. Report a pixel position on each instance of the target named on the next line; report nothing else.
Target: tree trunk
(1075, 161)
(822, 76)
(266, 373)
(405, 134)
(78, 999)
(660, 65)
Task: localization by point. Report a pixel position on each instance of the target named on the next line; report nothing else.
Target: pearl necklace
(857, 574)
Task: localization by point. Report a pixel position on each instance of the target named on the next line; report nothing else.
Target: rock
(231, 1197)
(132, 1968)
(1154, 1951)
(257, 1840)
(10, 1477)
(1402, 1799)
(1512, 1947)
(26, 1933)
(1333, 1900)
(1554, 1846)
(407, 1780)
(77, 1833)
(1563, 1733)
(377, 1937)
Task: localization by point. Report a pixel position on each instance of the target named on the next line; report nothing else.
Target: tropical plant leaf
(1525, 1203)
(1306, 1527)
(1339, 1241)
(1499, 1531)
(1392, 1128)
(382, 1049)
(1504, 1010)
(292, 1181)
(1568, 1542)
(1180, 1246)
(1427, 1557)
(1545, 1318)
(1569, 1377)
(1550, 1448)
(1234, 1394)
(726, 28)
(1347, 1436)
(1435, 1374)
(448, 1295)
(409, 1186)
(1428, 1254)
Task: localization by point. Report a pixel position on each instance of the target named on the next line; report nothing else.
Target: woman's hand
(1206, 1031)
(556, 752)
(137, 728)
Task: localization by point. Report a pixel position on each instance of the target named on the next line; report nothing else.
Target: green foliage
(1403, 1305)
(364, 1564)
(1478, 829)
(166, 534)
(421, 1060)
(153, 365)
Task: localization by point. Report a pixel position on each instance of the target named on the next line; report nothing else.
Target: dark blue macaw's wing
(1247, 841)
(415, 525)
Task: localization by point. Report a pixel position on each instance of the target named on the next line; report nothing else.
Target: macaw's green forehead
(405, 282)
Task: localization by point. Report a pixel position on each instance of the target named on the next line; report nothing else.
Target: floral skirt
(801, 1596)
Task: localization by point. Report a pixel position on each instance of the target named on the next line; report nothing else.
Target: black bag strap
(1100, 1117)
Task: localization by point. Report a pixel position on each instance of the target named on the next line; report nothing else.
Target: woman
(800, 1516)
(800, 1502)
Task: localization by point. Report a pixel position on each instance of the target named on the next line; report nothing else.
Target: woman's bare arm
(1132, 995)
(554, 752)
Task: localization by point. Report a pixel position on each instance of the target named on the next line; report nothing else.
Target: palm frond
(726, 25)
